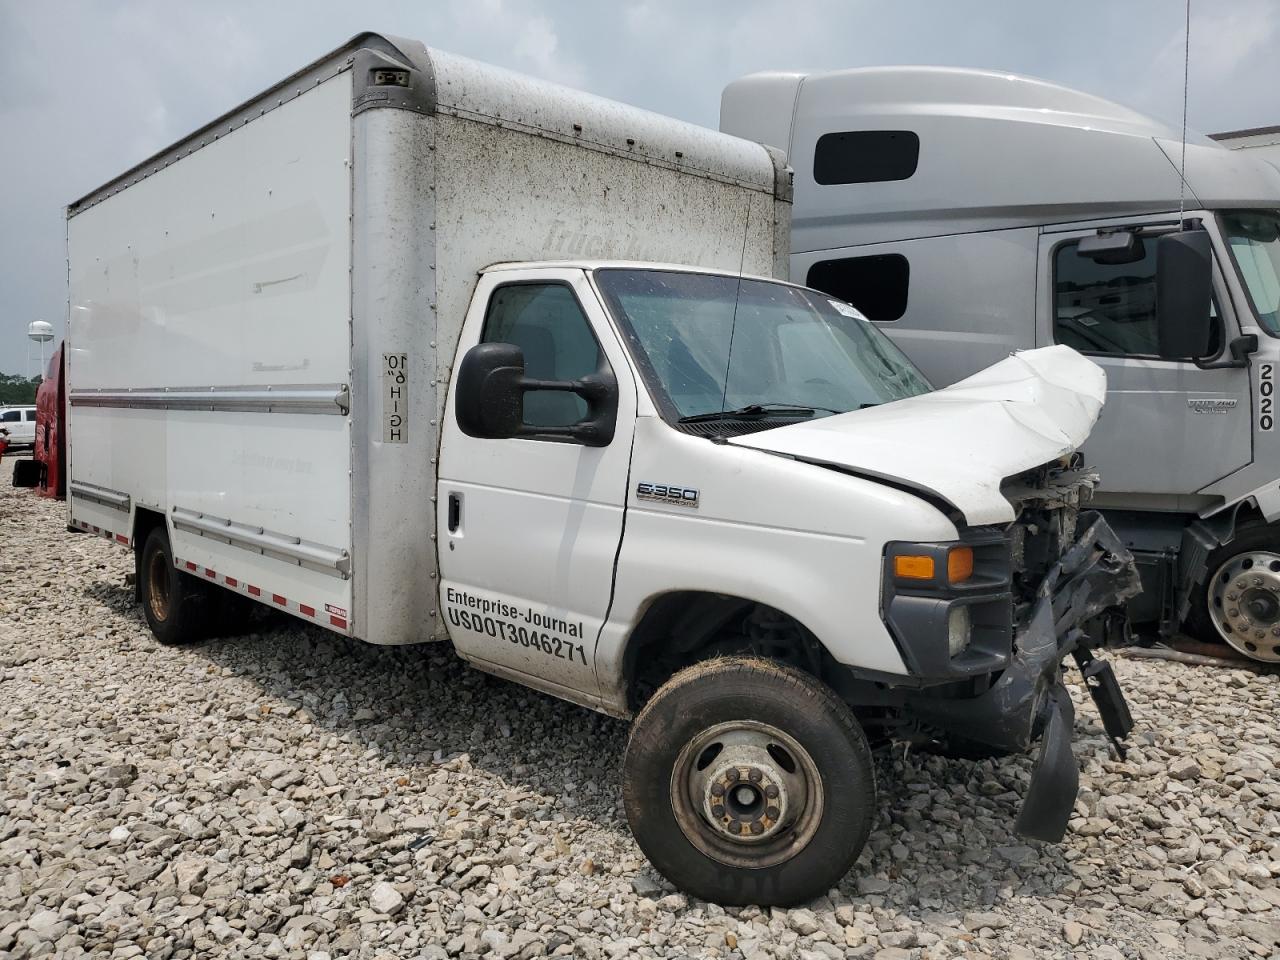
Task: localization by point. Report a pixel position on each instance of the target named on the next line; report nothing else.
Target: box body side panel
(226, 275)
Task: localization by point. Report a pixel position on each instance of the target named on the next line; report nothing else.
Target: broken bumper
(1029, 699)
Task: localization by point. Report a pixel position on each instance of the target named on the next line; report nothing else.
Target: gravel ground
(290, 794)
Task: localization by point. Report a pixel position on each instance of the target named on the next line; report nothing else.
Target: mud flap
(28, 473)
(1055, 781)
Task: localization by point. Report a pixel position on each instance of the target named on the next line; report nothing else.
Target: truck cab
(969, 213)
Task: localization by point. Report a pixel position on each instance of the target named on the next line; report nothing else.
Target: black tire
(177, 606)
(806, 856)
(1199, 623)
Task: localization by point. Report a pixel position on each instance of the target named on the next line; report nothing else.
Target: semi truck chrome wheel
(1244, 603)
(747, 781)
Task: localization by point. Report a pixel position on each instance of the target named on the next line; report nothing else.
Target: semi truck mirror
(490, 398)
(1184, 294)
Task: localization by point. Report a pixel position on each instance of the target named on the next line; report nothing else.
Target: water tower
(41, 331)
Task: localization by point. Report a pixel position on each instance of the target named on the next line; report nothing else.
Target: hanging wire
(1186, 70)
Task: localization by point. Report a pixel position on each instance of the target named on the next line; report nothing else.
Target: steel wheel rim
(1244, 604)
(158, 585)
(747, 794)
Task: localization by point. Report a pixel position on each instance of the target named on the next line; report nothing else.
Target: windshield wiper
(755, 411)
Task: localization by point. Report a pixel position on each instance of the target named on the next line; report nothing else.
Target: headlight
(959, 629)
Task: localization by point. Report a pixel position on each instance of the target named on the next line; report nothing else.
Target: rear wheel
(176, 604)
(1240, 600)
(746, 781)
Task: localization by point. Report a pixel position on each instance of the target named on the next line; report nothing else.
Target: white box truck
(393, 347)
(969, 213)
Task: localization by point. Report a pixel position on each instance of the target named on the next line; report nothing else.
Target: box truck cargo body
(256, 313)
(418, 349)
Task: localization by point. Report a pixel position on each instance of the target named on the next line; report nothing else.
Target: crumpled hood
(960, 442)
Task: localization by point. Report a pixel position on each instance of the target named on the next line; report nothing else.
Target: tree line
(17, 390)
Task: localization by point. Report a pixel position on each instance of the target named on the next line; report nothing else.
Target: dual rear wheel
(180, 608)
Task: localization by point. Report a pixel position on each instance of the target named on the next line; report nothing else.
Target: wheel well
(686, 627)
(144, 521)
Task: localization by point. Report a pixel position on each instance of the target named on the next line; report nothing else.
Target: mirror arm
(1240, 348)
(563, 386)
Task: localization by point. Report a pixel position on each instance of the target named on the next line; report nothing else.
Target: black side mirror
(490, 398)
(1184, 294)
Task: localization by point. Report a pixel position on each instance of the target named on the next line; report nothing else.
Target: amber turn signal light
(959, 564)
(909, 567)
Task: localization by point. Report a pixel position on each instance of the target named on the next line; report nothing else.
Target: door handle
(455, 512)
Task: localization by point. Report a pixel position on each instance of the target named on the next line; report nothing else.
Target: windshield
(791, 352)
(1254, 239)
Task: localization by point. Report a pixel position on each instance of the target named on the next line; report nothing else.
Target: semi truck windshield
(1254, 239)
(709, 343)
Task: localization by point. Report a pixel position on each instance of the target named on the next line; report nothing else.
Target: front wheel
(749, 782)
(1240, 600)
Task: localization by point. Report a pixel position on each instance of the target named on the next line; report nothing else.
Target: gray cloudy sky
(90, 87)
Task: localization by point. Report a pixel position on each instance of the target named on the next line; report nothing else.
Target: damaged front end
(1068, 576)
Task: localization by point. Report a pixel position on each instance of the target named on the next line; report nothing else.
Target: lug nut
(772, 813)
(757, 827)
(771, 791)
(717, 811)
(732, 774)
(754, 775)
(717, 790)
(735, 826)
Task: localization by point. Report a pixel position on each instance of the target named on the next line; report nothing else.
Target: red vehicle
(45, 471)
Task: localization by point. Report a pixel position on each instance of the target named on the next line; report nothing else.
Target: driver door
(529, 527)
(1168, 426)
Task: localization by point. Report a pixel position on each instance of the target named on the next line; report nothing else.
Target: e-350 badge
(667, 493)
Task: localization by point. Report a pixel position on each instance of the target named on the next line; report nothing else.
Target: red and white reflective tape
(99, 531)
(329, 617)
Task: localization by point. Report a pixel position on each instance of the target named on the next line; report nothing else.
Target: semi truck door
(1168, 427)
(529, 528)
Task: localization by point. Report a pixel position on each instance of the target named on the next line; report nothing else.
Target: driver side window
(1107, 308)
(545, 321)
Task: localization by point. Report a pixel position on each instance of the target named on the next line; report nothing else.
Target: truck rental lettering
(523, 626)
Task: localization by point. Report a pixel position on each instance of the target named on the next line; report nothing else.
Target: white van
(21, 424)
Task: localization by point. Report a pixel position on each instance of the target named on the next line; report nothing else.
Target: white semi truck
(970, 213)
(1258, 143)
(397, 347)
